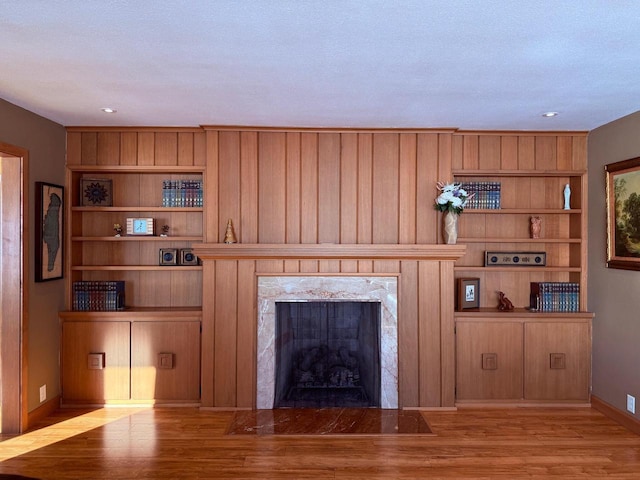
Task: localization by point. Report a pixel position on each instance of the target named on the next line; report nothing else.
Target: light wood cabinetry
(557, 360)
(152, 357)
(165, 363)
(95, 360)
(489, 360)
(150, 351)
(523, 357)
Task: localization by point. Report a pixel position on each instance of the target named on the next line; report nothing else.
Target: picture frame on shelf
(96, 192)
(49, 229)
(623, 214)
(187, 257)
(168, 257)
(468, 293)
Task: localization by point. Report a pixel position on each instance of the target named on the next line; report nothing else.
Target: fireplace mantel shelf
(333, 251)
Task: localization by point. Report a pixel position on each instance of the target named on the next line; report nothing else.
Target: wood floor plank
(188, 443)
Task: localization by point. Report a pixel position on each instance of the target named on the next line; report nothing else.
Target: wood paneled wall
(141, 147)
(326, 186)
(519, 151)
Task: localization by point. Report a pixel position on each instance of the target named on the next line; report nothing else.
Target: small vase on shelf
(450, 228)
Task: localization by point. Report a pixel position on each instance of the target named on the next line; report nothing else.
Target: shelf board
(518, 173)
(328, 251)
(524, 211)
(137, 209)
(136, 268)
(470, 268)
(177, 169)
(494, 313)
(517, 240)
(137, 314)
(139, 238)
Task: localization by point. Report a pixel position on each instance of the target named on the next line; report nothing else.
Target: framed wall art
(468, 293)
(96, 192)
(49, 229)
(623, 214)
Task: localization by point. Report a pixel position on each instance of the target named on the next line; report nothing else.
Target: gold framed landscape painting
(623, 212)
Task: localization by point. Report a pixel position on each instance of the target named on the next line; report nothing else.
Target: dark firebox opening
(327, 354)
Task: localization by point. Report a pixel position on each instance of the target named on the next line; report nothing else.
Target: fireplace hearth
(327, 354)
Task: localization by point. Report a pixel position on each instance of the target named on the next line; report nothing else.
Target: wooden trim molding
(265, 251)
(616, 414)
(43, 411)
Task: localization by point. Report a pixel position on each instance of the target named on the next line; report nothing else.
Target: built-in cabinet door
(489, 360)
(95, 361)
(165, 360)
(557, 361)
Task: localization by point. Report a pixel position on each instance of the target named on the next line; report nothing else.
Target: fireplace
(327, 354)
(377, 294)
(243, 281)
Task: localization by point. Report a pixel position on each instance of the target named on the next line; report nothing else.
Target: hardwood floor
(185, 443)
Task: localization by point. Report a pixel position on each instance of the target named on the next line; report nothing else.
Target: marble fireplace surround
(295, 288)
(425, 312)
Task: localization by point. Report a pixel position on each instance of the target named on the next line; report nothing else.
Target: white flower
(452, 197)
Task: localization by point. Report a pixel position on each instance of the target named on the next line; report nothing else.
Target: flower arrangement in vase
(451, 200)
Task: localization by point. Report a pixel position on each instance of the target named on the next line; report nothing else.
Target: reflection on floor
(329, 421)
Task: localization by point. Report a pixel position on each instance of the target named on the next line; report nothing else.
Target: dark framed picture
(187, 257)
(49, 231)
(168, 256)
(623, 213)
(96, 192)
(468, 293)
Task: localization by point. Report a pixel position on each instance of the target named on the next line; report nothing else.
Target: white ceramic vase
(450, 228)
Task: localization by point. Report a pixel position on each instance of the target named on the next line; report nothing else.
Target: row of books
(555, 296)
(182, 193)
(486, 195)
(98, 295)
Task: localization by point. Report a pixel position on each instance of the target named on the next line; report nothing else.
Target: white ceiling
(470, 64)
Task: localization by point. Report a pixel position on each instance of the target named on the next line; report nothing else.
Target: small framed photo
(49, 231)
(168, 256)
(187, 257)
(468, 293)
(96, 192)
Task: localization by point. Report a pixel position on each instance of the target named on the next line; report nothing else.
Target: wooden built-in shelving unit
(150, 351)
(328, 202)
(522, 356)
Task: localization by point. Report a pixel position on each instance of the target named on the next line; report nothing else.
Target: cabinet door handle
(96, 361)
(489, 361)
(557, 361)
(165, 360)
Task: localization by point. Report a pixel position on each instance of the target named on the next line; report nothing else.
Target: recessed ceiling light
(550, 114)
(109, 110)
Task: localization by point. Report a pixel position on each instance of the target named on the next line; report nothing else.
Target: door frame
(14, 295)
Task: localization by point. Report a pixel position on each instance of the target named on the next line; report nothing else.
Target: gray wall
(45, 141)
(614, 295)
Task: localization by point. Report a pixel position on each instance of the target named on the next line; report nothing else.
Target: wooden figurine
(504, 304)
(536, 223)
